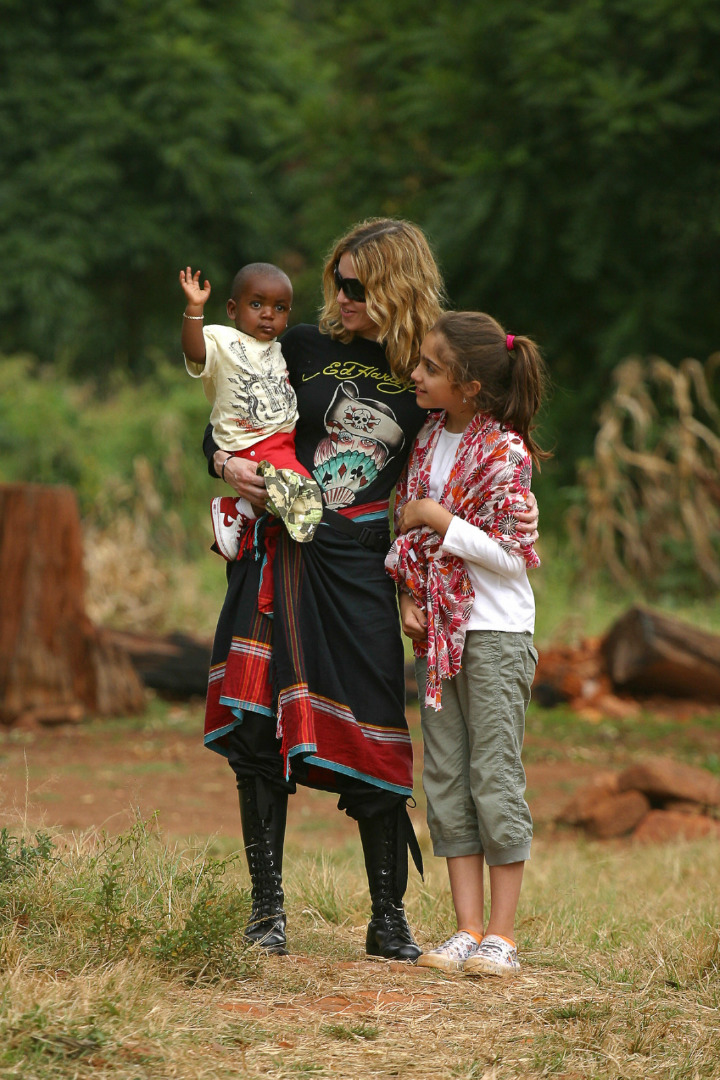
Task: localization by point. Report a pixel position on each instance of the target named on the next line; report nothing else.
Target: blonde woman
(306, 683)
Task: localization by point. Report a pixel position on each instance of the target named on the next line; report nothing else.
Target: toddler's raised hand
(190, 284)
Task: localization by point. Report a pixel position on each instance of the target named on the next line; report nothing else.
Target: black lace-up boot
(263, 812)
(385, 846)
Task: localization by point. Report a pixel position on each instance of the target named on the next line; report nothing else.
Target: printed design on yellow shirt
(363, 436)
(258, 397)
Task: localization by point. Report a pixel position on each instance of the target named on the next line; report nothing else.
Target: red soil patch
(96, 776)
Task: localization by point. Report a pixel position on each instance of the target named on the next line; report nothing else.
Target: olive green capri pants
(473, 775)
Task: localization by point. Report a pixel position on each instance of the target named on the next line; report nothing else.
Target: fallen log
(175, 665)
(648, 653)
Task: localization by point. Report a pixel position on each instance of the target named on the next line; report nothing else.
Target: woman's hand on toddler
(243, 477)
(412, 618)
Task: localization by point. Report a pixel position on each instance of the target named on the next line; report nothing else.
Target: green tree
(138, 136)
(563, 156)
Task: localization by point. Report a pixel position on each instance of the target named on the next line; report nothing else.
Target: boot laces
(395, 919)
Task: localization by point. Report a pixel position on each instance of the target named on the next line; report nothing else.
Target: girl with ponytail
(461, 564)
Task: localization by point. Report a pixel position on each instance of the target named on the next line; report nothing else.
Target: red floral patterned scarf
(489, 478)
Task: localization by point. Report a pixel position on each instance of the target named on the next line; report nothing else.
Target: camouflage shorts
(295, 499)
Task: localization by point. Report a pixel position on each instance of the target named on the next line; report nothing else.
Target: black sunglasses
(350, 286)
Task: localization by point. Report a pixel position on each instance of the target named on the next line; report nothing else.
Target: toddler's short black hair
(256, 269)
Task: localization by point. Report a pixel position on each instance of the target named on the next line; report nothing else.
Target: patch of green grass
(129, 897)
(578, 1010)
(104, 445)
(345, 1032)
(20, 857)
(245, 1034)
(160, 718)
(560, 734)
(37, 1039)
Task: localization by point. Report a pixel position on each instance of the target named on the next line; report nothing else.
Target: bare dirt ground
(101, 775)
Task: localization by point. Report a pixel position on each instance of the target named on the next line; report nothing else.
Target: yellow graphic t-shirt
(246, 382)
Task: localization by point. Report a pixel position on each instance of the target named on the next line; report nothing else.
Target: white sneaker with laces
(452, 954)
(494, 956)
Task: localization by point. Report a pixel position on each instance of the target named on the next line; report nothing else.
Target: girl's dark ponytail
(512, 379)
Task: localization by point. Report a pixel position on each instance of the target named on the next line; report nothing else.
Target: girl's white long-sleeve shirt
(503, 596)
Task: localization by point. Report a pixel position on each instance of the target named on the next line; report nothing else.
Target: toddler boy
(254, 410)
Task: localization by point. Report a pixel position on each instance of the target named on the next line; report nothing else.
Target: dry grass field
(121, 955)
(122, 959)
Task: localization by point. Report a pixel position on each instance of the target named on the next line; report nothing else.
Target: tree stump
(55, 665)
(650, 653)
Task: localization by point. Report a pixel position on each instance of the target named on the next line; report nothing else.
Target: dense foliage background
(563, 157)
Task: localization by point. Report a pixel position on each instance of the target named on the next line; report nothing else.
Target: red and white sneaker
(226, 523)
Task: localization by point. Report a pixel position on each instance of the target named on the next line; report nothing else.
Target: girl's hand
(243, 477)
(424, 512)
(412, 618)
(190, 285)
(527, 520)
(411, 515)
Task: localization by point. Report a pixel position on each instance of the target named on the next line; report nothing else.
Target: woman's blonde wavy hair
(403, 287)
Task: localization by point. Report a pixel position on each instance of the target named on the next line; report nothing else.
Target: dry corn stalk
(652, 491)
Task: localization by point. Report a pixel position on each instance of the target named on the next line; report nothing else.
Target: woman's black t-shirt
(357, 421)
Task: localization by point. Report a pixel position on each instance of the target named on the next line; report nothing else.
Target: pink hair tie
(510, 342)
